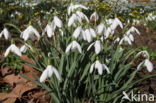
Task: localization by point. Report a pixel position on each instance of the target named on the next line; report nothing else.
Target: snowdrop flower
(77, 32)
(146, 63)
(94, 16)
(100, 28)
(72, 7)
(117, 40)
(73, 46)
(72, 20)
(100, 67)
(125, 40)
(92, 32)
(48, 72)
(57, 22)
(97, 46)
(49, 30)
(82, 16)
(133, 30)
(88, 35)
(6, 34)
(14, 49)
(143, 53)
(135, 22)
(116, 22)
(25, 47)
(30, 32)
(108, 32)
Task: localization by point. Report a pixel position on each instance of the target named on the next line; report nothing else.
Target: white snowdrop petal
(92, 68)
(57, 21)
(68, 48)
(148, 65)
(88, 35)
(90, 46)
(23, 49)
(56, 73)
(94, 16)
(106, 68)
(97, 47)
(44, 75)
(100, 28)
(49, 69)
(6, 33)
(7, 51)
(49, 30)
(77, 46)
(16, 50)
(71, 20)
(131, 37)
(1, 33)
(92, 32)
(77, 32)
(99, 67)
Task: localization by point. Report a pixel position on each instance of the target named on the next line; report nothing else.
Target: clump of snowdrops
(81, 58)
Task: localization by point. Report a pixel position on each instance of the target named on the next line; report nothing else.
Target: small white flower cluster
(128, 37)
(150, 17)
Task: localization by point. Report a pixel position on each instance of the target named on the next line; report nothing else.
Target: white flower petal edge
(49, 30)
(143, 53)
(100, 67)
(72, 46)
(57, 22)
(6, 34)
(48, 72)
(97, 46)
(25, 47)
(94, 16)
(14, 49)
(146, 63)
(30, 32)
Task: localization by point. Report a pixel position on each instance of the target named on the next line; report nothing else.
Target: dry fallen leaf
(17, 92)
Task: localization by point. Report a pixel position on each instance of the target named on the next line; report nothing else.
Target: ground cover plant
(77, 52)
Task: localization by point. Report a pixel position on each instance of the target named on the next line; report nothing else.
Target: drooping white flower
(133, 30)
(125, 40)
(88, 35)
(73, 7)
(108, 32)
(146, 63)
(14, 49)
(73, 46)
(128, 37)
(100, 28)
(25, 47)
(143, 53)
(92, 32)
(117, 22)
(100, 67)
(48, 72)
(30, 32)
(97, 46)
(49, 30)
(77, 32)
(113, 24)
(82, 15)
(94, 16)
(57, 22)
(6, 34)
(72, 20)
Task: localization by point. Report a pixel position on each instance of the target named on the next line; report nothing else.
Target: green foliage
(12, 61)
